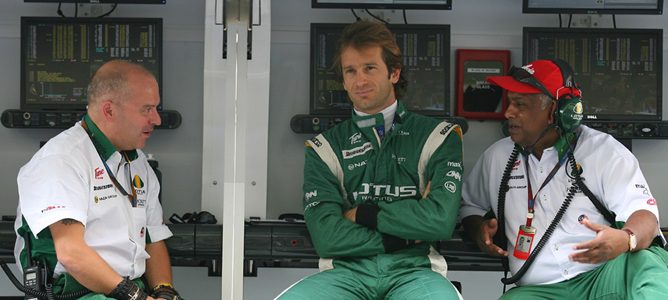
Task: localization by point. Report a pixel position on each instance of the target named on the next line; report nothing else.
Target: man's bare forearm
(81, 261)
(158, 267)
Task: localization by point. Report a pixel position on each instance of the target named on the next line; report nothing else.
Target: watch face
(632, 242)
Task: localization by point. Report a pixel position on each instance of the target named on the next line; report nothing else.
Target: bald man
(88, 199)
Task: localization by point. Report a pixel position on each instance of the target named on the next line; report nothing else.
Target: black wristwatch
(127, 290)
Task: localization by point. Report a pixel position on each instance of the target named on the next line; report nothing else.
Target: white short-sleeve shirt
(610, 171)
(66, 179)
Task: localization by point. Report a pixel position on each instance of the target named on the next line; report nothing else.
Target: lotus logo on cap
(577, 108)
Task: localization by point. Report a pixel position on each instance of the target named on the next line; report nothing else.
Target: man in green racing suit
(382, 188)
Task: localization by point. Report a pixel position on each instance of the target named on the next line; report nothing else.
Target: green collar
(102, 144)
(376, 119)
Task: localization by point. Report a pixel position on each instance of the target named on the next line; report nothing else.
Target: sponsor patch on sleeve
(450, 186)
(316, 142)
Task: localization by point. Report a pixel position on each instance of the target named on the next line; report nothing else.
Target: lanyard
(380, 129)
(133, 197)
(531, 198)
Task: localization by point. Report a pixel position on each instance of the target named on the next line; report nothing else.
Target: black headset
(568, 114)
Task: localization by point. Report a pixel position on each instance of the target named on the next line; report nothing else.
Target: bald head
(122, 101)
(111, 81)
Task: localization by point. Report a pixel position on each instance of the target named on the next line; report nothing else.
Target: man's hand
(350, 214)
(486, 234)
(608, 244)
(482, 231)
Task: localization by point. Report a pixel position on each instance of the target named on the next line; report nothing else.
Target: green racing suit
(406, 187)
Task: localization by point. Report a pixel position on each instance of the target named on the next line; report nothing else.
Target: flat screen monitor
(654, 7)
(618, 70)
(383, 4)
(60, 55)
(426, 58)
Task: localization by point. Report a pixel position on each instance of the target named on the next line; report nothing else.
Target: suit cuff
(392, 243)
(367, 215)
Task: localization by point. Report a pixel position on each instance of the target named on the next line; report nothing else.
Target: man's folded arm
(433, 217)
(331, 233)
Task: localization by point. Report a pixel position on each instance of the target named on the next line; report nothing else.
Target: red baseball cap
(541, 72)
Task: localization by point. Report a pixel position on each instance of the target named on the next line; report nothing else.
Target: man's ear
(553, 113)
(394, 75)
(107, 108)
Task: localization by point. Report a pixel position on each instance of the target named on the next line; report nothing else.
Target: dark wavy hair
(364, 34)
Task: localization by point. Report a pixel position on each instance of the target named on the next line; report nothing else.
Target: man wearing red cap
(576, 215)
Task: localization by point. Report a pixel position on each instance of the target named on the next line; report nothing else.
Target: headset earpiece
(568, 114)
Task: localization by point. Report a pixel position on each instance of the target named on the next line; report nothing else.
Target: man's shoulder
(421, 126)
(66, 142)
(421, 120)
(597, 142)
(340, 132)
(69, 144)
(505, 143)
(502, 147)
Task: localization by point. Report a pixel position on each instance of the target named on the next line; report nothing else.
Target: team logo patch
(52, 207)
(454, 174)
(355, 138)
(577, 108)
(137, 182)
(651, 201)
(450, 186)
(454, 164)
(310, 195)
(643, 188)
(316, 142)
(446, 128)
(384, 192)
(529, 69)
(400, 160)
(102, 187)
(353, 166)
(98, 173)
(357, 151)
(98, 199)
(311, 205)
